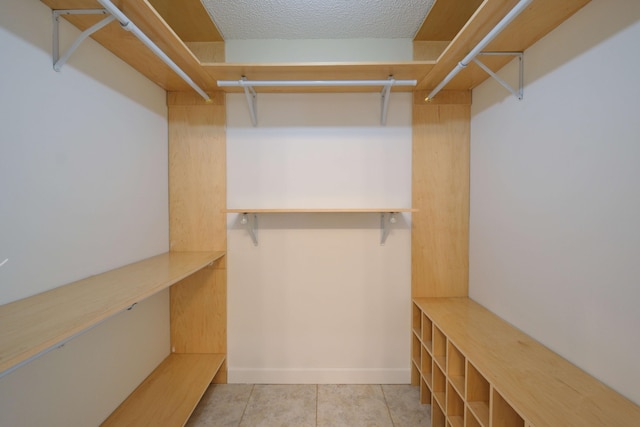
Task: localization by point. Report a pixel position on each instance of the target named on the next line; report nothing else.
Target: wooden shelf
(528, 383)
(366, 210)
(169, 395)
(33, 325)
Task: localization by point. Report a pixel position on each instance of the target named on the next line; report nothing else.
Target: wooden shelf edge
(170, 393)
(366, 210)
(34, 325)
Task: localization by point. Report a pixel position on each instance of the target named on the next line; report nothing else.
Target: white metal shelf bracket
(517, 93)
(385, 226)
(252, 98)
(59, 61)
(386, 91)
(252, 226)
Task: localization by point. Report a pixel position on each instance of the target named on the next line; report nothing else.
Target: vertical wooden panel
(197, 198)
(440, 188)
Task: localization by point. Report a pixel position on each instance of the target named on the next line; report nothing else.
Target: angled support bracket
(252, 226)
(385, 226)
(252, 98)
(386, 92)
(59, 61)
(519, 93)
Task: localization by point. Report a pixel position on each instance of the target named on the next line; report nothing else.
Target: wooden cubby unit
(486, 373)
(425, 392)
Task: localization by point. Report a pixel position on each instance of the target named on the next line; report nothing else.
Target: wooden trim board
(366, 210)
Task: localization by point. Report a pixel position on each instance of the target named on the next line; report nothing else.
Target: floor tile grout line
(384, 396)
(246, 405)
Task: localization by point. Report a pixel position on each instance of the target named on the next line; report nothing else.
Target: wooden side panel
(197, 200)
(207, 52)
(428, 50)
(440, 190)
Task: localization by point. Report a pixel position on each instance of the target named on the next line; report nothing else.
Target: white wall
(319, 300)
(319, 50)
(83, 189)
(555, 202)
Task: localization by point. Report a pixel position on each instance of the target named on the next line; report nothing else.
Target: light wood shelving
(33, 325)
(178, 29)
(496, 376)
(170, 394)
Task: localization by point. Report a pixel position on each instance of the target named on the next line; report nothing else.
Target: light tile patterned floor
(323, 405)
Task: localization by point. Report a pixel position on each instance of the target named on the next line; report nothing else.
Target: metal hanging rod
(126, 24)
(250, 93)
(300, 83)
(508, 18)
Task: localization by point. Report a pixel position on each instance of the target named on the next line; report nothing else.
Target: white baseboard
(318, 376)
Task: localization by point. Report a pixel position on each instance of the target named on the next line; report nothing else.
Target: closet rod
(513, 13)
(131, 27)
(292, 83)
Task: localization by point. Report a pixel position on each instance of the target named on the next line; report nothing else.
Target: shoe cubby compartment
(427, 330)
(456, 368)
(478, 392)
(440, 348)
(455, 407)
(502, 414)
(426, 366)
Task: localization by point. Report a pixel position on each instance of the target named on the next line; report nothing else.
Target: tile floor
(323, 405)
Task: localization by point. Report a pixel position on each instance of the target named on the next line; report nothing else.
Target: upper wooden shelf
(174, 28)
(366, 210)
(33, 325)
(544, 388)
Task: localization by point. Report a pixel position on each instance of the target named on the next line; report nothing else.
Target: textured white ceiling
(317, 19)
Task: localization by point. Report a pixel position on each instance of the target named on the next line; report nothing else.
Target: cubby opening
(439, 348)
(456, 368)
(415, 319)
(425, 366)
(455, 407)
(470, 420)
(415, 350)
(503, 415)
(427, 327)
(478, 392)
(439, 385)
(437, 415)
(425, 392)
(415, 375)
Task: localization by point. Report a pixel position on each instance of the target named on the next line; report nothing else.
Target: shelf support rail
(504, 22)
(517, 93)
(250, 93)
(125, 23)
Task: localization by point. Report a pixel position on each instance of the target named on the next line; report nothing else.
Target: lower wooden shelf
(169, 395)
